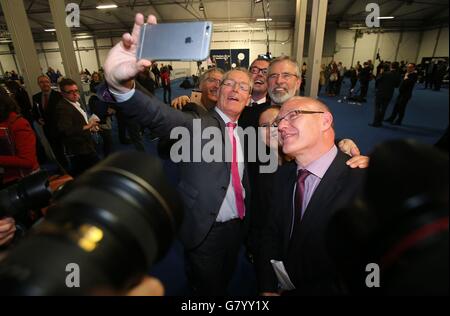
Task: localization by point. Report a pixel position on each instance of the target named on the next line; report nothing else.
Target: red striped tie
(235, 178)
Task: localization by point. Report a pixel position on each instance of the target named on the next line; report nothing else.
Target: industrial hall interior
(220, 148)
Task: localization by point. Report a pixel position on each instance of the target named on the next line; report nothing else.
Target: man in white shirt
(75, 129)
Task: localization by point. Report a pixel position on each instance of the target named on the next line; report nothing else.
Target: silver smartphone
(188, 41)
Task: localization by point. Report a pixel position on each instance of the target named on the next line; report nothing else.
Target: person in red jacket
(18, 143)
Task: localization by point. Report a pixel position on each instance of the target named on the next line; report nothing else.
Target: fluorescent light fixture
(263, 20)
(385, 17)
(50, 30)
(258, 1)
(357, 28)
(83, 36)
(106, 6)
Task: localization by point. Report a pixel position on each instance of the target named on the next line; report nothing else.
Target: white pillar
(299, 35)
(24, 48)
(318, 20)
(65, 41)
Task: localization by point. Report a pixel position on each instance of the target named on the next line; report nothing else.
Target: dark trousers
(107, 141)
(364, 87)
(399, 110)
(381, 104)
(167, 93)
(210, 266)
(81, 162)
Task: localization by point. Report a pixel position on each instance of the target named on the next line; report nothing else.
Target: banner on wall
(230, 58)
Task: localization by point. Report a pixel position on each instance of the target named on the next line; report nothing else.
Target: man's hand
(358, 162)
(41, 121)
(121, 65)
(270, 294)
(180, 102)
(7, 230)
(149, 286)
(348, 147)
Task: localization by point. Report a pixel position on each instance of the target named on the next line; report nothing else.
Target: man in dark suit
(44, 113)
(405, 93)
(214, 227)
(75, 129)
(388, 80)
(305, 195)
(215, 212)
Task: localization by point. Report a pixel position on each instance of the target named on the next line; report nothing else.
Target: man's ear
(327, 120)
(298, 84)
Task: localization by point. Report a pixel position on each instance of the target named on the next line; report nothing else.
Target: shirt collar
(319, 166)
(225, 118)
(260, 101)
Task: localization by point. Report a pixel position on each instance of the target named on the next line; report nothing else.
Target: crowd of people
(281, 218)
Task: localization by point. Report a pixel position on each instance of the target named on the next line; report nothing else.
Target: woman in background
(18, 143)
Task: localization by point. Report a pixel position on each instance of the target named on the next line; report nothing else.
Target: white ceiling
(409, 14)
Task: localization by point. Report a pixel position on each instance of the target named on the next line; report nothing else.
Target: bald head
(306, 129)
(308, 103)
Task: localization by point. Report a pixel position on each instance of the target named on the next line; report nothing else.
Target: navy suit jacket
(202, 185)
(305, 254)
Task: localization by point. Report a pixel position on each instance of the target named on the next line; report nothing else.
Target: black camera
(112, 223)
(24, 200)
(400, 224)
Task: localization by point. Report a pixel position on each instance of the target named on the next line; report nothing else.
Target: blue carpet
(425, 120)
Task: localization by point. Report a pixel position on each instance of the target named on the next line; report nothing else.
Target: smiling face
(234, 93)
(210, 88)
(283, 81)
(305, 134)
(257, 70)
(266, 120)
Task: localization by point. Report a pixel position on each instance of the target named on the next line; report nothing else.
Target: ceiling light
(201, 7)
(263, 19)
(106, 6)
(50, 30)
(385, 17)
(358, 27)
(258, 1)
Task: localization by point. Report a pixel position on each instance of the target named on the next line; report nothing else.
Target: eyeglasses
(212, 80)
(71, 92)
(243, 86)
(266, 125)
(283, 75)
(256, 70)
(292, 116)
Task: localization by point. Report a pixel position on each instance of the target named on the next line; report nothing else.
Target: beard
(280, 97)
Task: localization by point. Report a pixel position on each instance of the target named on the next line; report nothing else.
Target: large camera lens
(107, 227)
(31, 192)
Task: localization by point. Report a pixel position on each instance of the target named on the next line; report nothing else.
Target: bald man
(305, 194)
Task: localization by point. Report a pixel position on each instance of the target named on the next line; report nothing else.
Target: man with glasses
(75, 129)
(306, 193)
(215, 194)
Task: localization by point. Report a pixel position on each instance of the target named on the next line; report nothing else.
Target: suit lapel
(319, 205)
(224, 134)
(286, 201)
